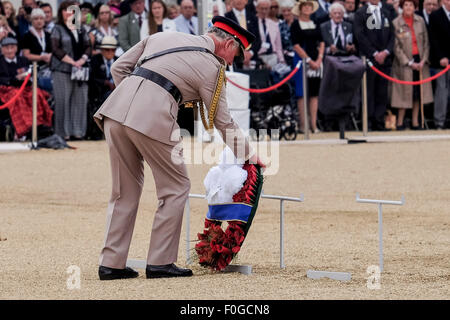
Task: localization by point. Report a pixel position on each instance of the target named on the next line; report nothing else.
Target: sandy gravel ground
(52, 216)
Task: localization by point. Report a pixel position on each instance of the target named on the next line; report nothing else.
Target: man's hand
(444, 62)
(350, 48)
(247, 57)
(380, 57)
(333, 49)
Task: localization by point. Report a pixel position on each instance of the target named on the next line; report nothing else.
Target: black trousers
(377, 97)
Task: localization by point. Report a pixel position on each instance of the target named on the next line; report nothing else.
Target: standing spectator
(174, 11)
(428, 7)
(440, 47)
(274, 12)
(133, 25)
(271, 51)
(375, 36)
(337, 33)
(37, 46)
(48, 10)
(71, 49)
(5, 30)
(322, 13)
(10, 14)
(186, 22)
(411, 51)
(247, 19)
(285, 29)
(349, 14)
(102, 28)
(158, 20)
(87, 19)
(24, 19)
(308, 46)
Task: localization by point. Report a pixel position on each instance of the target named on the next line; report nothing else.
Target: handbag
(80, 74)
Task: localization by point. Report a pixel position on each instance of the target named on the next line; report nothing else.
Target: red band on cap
(230, 30)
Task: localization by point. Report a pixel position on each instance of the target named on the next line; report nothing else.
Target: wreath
(216, 248)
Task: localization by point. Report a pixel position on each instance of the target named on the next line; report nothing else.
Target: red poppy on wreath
(217, 248)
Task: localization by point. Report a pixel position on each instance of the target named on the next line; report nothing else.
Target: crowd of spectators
(403, 38)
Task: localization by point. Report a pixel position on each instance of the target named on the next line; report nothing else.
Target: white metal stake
(380, 221)
(282, 266)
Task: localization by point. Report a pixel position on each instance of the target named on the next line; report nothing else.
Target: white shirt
(426, 16)
(447, 13)
(10, 61)
(340, 32)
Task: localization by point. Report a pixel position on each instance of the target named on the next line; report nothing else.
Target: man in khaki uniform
(139, 122)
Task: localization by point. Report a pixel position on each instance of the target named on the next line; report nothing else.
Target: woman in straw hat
(309, 47)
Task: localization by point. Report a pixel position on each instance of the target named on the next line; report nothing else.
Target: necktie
(327, 5)
(140, 21)
(191, 27)
(108, 70)
(242, 21)
(338, 37)
(269, 49)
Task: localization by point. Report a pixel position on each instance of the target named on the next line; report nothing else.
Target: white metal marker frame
(265, 196)
(380, 220)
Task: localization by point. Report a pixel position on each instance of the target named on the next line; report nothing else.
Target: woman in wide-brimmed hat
(308, 46)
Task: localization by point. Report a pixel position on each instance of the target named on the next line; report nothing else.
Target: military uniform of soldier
(139, 120)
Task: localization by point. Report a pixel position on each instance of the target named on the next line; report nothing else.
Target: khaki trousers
(128, 149)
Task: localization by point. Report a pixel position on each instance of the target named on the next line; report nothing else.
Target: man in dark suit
(428, 7)
(337, 33)
(101, 83)
(321, 15)
(440, 48)
(375, 36)
(247, 20)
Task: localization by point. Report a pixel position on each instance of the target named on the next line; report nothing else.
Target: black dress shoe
(401, 128)
(416, 128)
(106, 273)
(166, 271)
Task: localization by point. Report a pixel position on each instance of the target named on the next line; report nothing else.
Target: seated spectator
(336, 33)
(5, 30)
(48, 10)
(101, 82)
(411, 53)
(309, 47)
(271, 51)
(186, 22)
(10, 14)
(158, 20)
(102, 28)
(37, 46)
(285, 29)
(13, 71)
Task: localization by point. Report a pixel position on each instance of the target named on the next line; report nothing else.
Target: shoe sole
(156, 276)
(109, 277)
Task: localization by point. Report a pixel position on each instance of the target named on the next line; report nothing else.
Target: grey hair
(286, 3)
(336, 5)
(37, 12)
(222, 35)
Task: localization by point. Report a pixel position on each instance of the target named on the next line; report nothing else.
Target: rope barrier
(414, 83)
(22, 87)
(275, 86)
